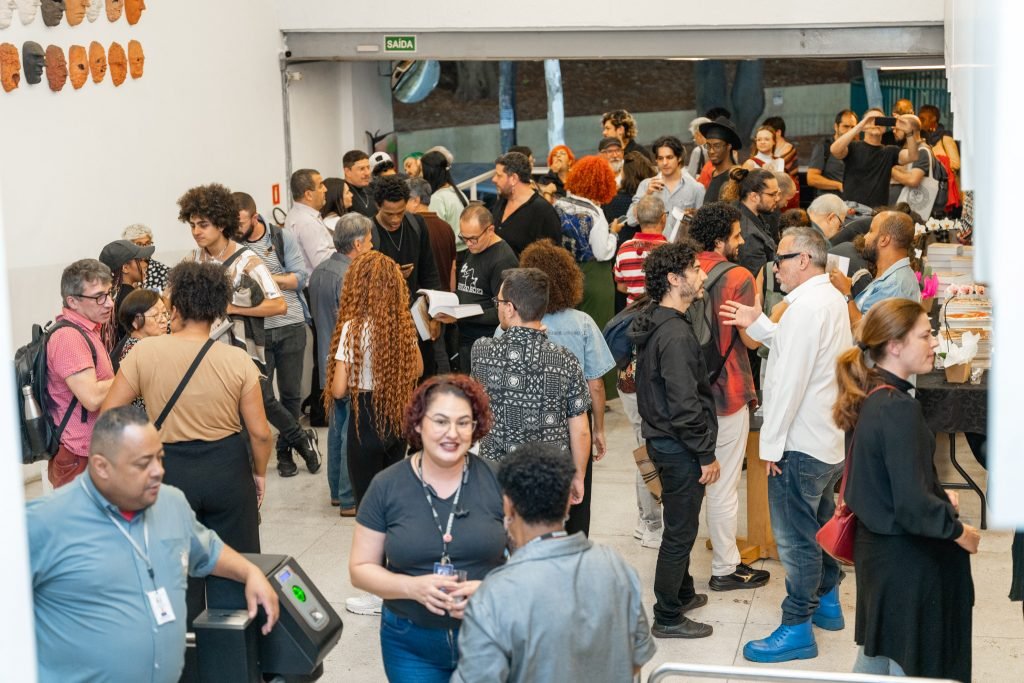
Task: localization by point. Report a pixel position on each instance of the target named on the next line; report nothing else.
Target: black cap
(721, 129)
(118, 253)
(608, 142)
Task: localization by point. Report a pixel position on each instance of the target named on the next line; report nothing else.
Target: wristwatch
(847, 298)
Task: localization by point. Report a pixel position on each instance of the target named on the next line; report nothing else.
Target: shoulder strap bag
(182, 384)
(837, 536)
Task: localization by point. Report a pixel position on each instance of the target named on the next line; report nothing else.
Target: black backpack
(40, 435)
(705, 323)
(616, 332)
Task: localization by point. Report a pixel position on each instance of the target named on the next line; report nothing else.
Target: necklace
(220, 256)
(401, 236)
(358, 192)
(446, 532)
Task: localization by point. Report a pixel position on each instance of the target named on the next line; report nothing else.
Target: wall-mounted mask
(133, 10)
(53, 11)
(136, 58)
(78, 66)
(95, 7)
(75, 9)
(56, 68)
(114, 8)
(10, 67)
(34, 60)
(97, 62)
(118, 61)
(27, 10)
(7, 8)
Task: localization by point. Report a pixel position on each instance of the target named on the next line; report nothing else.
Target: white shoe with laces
(651, 539)
(367, 605)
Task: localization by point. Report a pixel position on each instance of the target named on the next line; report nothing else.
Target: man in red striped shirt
(629, 261)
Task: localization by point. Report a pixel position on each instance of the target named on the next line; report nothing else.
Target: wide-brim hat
(721, 129)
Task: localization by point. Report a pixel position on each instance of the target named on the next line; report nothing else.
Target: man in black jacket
(678, 411)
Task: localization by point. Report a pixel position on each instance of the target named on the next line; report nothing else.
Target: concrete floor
(298, 520)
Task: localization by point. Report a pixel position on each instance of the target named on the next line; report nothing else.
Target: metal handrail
(471, 183)
(788, 675)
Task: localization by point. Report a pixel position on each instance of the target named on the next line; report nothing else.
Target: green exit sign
(399, 43)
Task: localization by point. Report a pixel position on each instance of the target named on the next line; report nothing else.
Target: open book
(432, 301)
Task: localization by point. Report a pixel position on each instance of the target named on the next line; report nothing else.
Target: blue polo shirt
(898, 281)
(93, 619)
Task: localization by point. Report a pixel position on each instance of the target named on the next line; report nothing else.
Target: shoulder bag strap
(231, 259)
(74, 399)
(181, 385)
(849, 453)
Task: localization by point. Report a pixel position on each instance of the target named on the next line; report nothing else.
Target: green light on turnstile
(299, 594)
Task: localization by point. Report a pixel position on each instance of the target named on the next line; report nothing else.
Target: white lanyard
(143, 555)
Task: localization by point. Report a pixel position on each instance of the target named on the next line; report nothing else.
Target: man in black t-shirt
(479, 278)
(868, 163)
(356, 166)
(531, 218)
(825, 172)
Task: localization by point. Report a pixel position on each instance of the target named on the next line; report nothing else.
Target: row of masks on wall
(75, 11)
(78, 66)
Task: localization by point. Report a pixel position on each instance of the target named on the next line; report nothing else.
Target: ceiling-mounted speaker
(412, 80)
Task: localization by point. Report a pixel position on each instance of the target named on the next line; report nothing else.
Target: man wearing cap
(722, 141)
(381, 164)
(127, 262)
(611, 150)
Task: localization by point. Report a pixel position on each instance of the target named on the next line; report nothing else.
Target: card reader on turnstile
(307, 630)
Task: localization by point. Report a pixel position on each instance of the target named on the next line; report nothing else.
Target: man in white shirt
(304, 221)
(802, 446)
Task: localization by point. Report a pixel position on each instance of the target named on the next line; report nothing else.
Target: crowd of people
(463, 443)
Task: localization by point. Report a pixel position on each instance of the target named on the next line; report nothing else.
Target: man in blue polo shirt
(887, 244)
(110, 561)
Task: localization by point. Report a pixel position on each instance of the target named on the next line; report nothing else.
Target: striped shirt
(264, 248)
(629, 262)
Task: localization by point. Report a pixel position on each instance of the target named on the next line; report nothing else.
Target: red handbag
(837, 535)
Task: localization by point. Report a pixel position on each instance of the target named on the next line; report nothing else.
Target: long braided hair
(375, 304)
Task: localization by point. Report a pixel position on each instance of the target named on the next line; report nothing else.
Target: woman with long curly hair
(912, 554)
(377, 363)
(587, 234)
(425, 520)
(576, 331)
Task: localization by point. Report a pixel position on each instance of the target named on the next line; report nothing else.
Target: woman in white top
(762, 153)
(445, 199)
(337, 203)
(376, 361)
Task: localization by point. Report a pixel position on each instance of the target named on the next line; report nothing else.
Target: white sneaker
(367, 604)
(651, 539)
(639, 530)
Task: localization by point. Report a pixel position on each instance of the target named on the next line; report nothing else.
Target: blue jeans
(681, 495)
(337, 455)
(413, 654)
(801, 501)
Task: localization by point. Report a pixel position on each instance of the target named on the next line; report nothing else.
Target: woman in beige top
(205, 453)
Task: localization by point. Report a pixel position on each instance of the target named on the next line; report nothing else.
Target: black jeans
(579, 515)
(284, 350)
(369, 452)
(681, 497)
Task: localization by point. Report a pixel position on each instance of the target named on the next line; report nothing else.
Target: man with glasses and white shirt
(479, 278)
(800, 443)
(78, 368)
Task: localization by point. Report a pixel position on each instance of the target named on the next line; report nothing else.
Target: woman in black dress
(912, 554)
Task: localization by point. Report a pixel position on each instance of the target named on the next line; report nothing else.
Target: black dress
(915, 594)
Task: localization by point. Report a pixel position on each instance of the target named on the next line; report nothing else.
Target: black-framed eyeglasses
(716, 145)
(100, 299)
(779, 258)
(497, 301)
(474, 238)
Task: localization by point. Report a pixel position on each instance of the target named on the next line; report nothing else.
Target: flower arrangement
(954, 291)
(928, 282)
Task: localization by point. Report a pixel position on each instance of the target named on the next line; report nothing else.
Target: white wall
(79, 165)
(332, 107)
(398, 16)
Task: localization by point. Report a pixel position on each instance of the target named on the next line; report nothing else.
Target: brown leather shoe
(347, 512)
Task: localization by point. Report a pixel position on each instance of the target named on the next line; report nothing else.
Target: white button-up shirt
(800, 382)
(311, 233)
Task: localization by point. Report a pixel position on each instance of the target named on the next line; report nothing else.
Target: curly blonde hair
(375, 298)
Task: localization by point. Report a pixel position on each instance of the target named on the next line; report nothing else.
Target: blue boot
(829, 614)
(784, 644)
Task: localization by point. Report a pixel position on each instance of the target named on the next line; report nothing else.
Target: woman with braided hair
(377, 363)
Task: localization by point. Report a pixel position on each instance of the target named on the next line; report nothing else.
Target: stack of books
(970, 314)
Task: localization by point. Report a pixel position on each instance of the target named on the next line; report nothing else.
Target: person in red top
(629, 260)
(716, 227)
(77, 364)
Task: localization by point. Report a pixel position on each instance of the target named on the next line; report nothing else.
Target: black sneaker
(286, 466)
(744, 577)
(310, 451)
(687, 628)
(698, 600)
